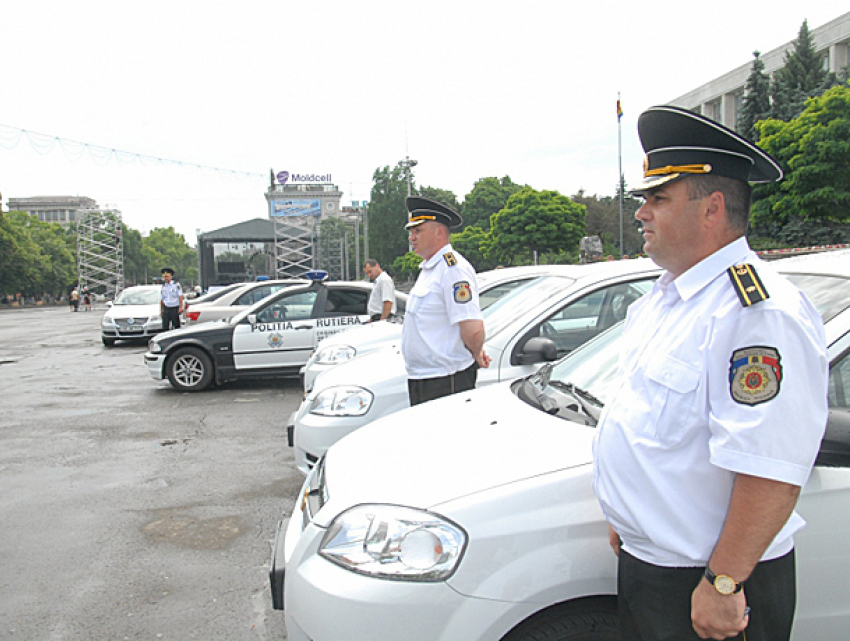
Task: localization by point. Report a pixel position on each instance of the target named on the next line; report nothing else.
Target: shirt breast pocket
(674, 400)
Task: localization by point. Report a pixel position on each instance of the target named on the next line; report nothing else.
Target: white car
(492, 285)
(473, 517)
(133, 315)
(539, 320)
(232, 300)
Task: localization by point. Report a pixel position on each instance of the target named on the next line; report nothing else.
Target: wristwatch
(723, 583)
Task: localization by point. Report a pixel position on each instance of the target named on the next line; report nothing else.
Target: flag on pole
(619, 110)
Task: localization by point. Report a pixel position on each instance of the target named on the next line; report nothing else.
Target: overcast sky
(469, 89)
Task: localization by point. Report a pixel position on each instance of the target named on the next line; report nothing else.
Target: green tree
(58, 245)
(814, 150)
(536, 221)
(164, 247)
(136, 268)
(488, 196)
(756, 105)
(387, 214)
(802, 77)
(406, 267)
(21, 259)
(474, 243)
(441, 196)
(603, 220)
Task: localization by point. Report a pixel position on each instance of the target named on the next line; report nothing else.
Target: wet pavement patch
(216, 533)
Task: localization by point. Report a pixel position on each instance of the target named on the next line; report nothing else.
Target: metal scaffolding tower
(100, 251)
(293, 240)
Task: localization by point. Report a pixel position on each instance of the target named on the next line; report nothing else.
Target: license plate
(134, 328)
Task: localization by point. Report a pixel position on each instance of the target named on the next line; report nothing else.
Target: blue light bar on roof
(317, 275)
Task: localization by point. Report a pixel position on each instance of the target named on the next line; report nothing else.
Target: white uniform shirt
(382, 291)
(445, 293)
(171, 293)
(709, 389)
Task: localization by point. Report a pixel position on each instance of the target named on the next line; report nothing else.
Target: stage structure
(100, 251)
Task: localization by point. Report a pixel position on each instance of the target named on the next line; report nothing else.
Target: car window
(257, 294)
(294, 306)
(346, 302)
(528, 295)
(590, 315)
(839, 383)
(485, 299)
(211, 296)
(138, 297)
(829, 294)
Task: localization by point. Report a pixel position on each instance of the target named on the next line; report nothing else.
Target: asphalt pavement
(129, 510)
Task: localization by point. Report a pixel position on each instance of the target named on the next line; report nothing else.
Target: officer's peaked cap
(167, 270)
(423, 210)
(681, 143)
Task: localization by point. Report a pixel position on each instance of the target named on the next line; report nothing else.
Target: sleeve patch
(755, 374)
(747, 284)
(462, 292)
(451, 261)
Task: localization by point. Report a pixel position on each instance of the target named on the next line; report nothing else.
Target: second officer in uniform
(443, 332)
(171, 303)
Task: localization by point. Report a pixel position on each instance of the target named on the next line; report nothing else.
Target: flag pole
(620, 160)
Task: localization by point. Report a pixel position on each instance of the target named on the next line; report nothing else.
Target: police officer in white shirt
(701, 455)
(171, 303)
(382, 303)
(443, 332)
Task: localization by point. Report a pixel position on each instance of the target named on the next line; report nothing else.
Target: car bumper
(156, 365)
(324, 602)
(314, 434)
(127, 334)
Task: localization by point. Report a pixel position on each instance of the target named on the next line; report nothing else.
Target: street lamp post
(407, 163)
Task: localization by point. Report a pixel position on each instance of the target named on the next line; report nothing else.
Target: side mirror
(109, 303)
(252, 319)
(538, 350)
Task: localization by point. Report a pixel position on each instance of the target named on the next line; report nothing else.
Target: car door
(341, 308)
(576, 322)
(282, 336)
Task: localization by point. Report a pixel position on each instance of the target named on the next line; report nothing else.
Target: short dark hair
(371, 262)
(736, 193)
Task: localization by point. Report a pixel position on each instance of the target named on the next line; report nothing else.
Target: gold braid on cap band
(678, 169)
(416, 219)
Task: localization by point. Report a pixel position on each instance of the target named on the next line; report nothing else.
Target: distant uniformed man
(722, 402)
(171, 304)
(443, 332)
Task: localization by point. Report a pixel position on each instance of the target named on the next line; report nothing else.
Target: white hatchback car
(473, 516)
(539, 320)
(133, 315)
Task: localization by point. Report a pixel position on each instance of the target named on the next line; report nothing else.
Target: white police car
(273, 337)
(473, 516)
(231, 301)
(539, 320)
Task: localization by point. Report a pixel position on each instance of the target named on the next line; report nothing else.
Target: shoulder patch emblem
(463, 293)
(755, 374)
(451, 261)
(747, 284)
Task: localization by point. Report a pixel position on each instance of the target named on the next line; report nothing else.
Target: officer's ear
(713, 210)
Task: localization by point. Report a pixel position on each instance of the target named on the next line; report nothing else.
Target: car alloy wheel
(190, 370)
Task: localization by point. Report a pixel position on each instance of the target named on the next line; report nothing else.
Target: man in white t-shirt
(382, 301)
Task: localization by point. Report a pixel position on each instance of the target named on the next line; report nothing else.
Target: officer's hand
(483, 360)
(716, 616)
(614, 540)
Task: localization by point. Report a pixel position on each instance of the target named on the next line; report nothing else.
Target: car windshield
(526, 295)
(829, 294)
(211, 296)
(138, 297)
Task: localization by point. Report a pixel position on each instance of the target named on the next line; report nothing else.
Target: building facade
(53, 209)
(722, 98)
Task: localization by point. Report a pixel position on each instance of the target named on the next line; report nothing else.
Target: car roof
(835, 262)
(602, 269)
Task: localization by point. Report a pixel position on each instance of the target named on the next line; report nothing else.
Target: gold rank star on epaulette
(451, 261)
(747, 284)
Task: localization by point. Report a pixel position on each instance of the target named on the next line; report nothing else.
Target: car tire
(109, 342)
(189, 369)
(594, 620)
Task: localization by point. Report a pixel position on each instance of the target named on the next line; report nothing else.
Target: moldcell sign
(284, 176)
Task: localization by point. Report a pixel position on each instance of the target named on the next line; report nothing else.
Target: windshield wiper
(589, 403)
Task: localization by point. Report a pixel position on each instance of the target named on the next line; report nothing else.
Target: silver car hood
(450, 448)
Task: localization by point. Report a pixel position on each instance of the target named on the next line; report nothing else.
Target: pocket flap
(673, 373)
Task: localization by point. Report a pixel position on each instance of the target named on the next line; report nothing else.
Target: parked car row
(473, 516)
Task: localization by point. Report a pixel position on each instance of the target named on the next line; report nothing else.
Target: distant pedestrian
(75, 300)
(86, 301)
(171, 303)
(382, 300)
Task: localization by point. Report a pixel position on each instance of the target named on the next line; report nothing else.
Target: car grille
(132, 321)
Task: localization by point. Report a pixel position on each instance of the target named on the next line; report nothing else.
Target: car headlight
(106, 321)
(155, 321)
(335, 354)
(154, 347)
(344, 400)
(393, 542)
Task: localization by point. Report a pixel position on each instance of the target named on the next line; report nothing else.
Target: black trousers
(421, 390)
(655, 602)
(170, 318)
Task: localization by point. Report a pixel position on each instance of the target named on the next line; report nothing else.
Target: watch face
(724, 584)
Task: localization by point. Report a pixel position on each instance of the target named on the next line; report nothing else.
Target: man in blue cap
(443, 332)
(701, 455)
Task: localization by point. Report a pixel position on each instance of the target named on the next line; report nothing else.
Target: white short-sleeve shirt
(171, 293)
(382, 290)
(709, 389)
(445, 293)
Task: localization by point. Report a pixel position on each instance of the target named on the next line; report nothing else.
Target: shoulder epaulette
(451, 261)
(747, 284)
